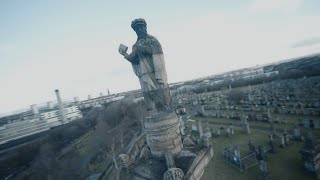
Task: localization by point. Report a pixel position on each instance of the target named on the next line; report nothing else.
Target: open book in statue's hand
(123, 49)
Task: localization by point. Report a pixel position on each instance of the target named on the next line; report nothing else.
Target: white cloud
(275, 5)
(220, 42)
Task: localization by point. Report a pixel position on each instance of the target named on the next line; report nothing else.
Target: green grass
(286, 163)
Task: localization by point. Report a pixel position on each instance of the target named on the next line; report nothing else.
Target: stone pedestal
(163, 134)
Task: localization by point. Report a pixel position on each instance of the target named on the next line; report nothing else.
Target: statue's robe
(148, 64)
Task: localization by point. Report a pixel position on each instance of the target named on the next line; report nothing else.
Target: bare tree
(111, 154)
(121, 139)
(235, 95)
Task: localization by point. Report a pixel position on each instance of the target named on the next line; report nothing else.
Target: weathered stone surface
(163, 134)
(161, 127)
(173, 174)
(148, 64)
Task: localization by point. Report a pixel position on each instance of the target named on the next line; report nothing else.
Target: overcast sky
(72, 45)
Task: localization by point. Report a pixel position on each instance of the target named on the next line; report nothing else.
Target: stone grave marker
(231, 131)
(284, 120)
(306, 123)
(228, 132)
(261, 153)
(296, 134)
(276, 120)
(263, 171)
(272, 144)
(282, 141)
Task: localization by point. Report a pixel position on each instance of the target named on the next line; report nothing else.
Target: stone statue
(148, 64)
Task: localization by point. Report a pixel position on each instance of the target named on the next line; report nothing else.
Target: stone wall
(199, 163)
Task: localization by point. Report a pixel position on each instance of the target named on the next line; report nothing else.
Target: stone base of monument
(159, 153)
(189, 165)
(163, 134)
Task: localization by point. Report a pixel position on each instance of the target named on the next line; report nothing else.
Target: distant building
(37, 120)
(29, 123)
(97, 101)
(72, 113)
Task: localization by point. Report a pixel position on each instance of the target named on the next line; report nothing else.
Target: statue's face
(140, 30)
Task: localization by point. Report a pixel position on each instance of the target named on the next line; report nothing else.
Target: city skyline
(72, 46)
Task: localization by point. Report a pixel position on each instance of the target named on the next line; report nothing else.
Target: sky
(73, 45)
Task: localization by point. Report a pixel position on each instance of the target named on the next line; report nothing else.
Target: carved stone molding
(173, 174)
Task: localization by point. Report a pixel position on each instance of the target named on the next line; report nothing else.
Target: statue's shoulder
(155, 44)
(152, 38)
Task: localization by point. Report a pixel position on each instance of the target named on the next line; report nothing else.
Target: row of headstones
(268, 91)
(284, 88)
(309, 123)
(229, 132)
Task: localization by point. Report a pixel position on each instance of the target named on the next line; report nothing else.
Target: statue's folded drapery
(148, 64)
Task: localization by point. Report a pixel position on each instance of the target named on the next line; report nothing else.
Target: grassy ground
(286, 163)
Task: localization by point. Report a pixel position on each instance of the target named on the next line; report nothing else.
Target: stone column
(163, 134)
(61, 107)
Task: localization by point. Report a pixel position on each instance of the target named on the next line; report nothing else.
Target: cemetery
(266, 131)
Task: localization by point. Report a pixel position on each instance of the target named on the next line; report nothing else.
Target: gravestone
(261, 153)
(306, 123)
(236, 153)
(284, 120)
(272, 144)
(286, 139)
(245, 125)
(218, 131)
(296, 134)
(228, 132)
(227, 153)
(194, 127)
(252, 147)
(269, 117)
(316, 124)
(273, 130)
(263, 171)
(282, 141)
(276, 120)
(231, 131)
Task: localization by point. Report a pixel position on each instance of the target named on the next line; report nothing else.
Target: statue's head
(140, 27)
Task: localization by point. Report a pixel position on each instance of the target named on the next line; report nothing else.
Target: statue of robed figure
(148, 64)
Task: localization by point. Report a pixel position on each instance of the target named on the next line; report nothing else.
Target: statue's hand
(123, 50)
(127, 56)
